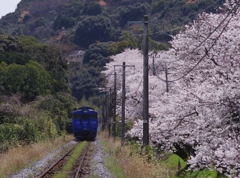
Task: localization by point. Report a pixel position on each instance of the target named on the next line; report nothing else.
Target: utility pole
(145, 84)
(106, 111)
(239, 120)
(165, 69)
(145, 79)
(166, 74)
(103, 120)
(123, 100)
(114, 106)
(153, 65)
(123, 105)
(109, 118)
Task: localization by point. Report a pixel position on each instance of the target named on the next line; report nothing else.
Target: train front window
(93, 115)
(85, 117)
(76, 116)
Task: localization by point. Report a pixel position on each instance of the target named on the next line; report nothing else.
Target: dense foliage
(90, 24)
(44, 19)
(198, 118)
(25, 131)
(30, 80)
(85, 81)
(169, 17)
(35, 100)
(17, 53)
(92, 29)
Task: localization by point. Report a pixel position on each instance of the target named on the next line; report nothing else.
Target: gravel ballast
(97, 163)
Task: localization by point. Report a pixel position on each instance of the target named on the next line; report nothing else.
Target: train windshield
(94, 115)
(76, 116)
(84, 116)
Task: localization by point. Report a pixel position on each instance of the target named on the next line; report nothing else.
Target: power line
(200, 44)
(138, 86)
(206, 53)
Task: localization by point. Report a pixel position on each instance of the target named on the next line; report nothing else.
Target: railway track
(81, 163)
(54, 168)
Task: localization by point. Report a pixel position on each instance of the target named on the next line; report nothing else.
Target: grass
(124, 163)
(174, 162)
(21, 157)
(71, 161)
(111, 162)
(116, 169)
(127, 162)
(205, 173)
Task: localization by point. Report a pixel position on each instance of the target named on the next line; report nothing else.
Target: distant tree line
(35, 96)
(28, 65)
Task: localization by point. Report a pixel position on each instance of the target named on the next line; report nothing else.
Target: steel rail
(77, 175)
(49, 170)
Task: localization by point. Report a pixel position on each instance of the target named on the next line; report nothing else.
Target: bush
(8, 136)
(92, 29)
(26, 131)
(63, 21)
(125, 41)
(131, 13)
(158, 6)
(30, 80)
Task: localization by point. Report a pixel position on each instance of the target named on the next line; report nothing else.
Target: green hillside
(85, 22)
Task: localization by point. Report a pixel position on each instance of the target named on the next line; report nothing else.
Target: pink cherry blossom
(201, 109)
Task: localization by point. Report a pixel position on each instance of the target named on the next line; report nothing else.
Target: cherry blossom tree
(200, 112)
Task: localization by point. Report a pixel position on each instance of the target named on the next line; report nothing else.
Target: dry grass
(135, 165)
(21, 157)
(68, 166)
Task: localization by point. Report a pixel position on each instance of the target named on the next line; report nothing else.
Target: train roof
(85, 108)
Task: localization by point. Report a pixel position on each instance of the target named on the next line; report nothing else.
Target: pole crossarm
(125, 66)
(136, 22)
(104, 90)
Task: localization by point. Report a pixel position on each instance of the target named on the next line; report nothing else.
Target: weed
(21, 157)
(71, 161)
(128, 162)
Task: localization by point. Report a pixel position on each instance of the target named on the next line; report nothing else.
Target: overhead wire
(234, 9)
(182, 58)
(138, 86)
(200, 44)
(172, 29)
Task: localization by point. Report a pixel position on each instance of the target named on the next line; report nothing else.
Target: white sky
(7, 6)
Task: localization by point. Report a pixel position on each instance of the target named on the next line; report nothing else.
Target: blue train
(85, 123)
